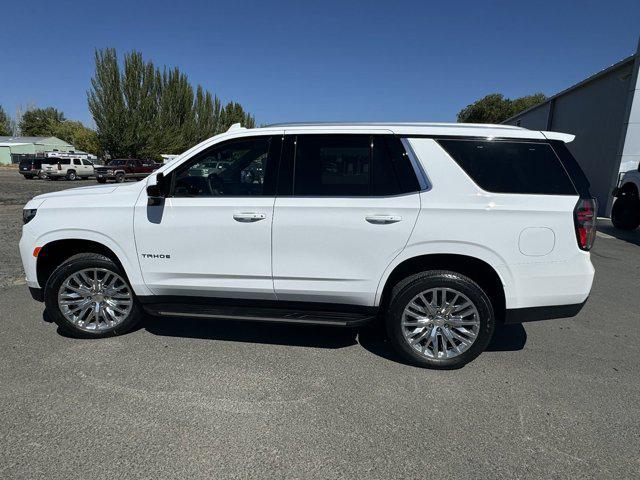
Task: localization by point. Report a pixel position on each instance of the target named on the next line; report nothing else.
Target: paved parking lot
(183, 398)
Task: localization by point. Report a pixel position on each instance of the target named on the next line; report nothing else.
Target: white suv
(442, 231)
(68, 168)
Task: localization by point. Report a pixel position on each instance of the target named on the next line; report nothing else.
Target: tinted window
(570, 164)
(86, 162)
(332, 165)
(349, 165)
(76, 162)
(64, 161)
(392, 170)
(511, 167)
(235, 168)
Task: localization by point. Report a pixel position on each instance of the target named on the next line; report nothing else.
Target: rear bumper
(548, 284)
(533, 314)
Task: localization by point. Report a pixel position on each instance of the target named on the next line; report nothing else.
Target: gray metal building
(603, 111)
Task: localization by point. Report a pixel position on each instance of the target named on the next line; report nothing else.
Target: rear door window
(511, 167)
(346, 165)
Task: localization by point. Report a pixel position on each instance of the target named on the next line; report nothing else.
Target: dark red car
(125, 168)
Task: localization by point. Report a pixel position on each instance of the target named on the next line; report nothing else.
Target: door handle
(383, 219)
(248, 217)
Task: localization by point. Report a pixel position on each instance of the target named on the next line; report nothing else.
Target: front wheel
(88, 296)
(119, 177)
(439, 319)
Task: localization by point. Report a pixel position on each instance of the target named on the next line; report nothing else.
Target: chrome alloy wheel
(440, 323)
(95, 299)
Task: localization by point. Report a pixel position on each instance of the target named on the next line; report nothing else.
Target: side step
(275, 315)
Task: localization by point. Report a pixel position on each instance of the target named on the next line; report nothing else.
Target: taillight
(584, 218)
(59, 167)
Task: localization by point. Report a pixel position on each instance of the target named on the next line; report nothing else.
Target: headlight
(28, 214)
(109, 172)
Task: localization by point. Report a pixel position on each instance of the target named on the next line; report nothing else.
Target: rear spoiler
(564, 137)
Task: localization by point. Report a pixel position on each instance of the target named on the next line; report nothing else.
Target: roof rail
(395, 124)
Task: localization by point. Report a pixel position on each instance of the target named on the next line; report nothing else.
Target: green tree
(523, 103)
(40, 122)
(234, 113)
(81, 137)
(495, 108)
(106, 104)
(6, 128)
(142, 111)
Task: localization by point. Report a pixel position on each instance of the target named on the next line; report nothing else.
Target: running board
(275, 315)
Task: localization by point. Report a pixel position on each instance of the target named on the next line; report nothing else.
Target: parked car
(440, 231)
(625, 213)
(123, 169)
(32, 167)
(68, 168)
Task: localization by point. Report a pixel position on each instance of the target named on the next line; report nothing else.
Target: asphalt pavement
(192, 398)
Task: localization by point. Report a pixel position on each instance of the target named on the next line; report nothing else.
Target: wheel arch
(58, 248)
(479, 270)
(629, 188)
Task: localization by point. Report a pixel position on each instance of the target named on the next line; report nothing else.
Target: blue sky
(329, 60)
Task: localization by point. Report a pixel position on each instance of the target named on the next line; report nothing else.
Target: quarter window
(511, 167)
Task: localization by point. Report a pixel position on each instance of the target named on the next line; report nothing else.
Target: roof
(595, 76)
(27, 140)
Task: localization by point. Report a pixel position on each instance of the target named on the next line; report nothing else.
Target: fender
(468, 249)
(128, 260)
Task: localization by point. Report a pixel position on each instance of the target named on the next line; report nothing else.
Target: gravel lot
(181, 398)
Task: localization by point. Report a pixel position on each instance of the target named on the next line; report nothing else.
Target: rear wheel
(625, 213)
(71, 175)
(439, 319)
(88, 296)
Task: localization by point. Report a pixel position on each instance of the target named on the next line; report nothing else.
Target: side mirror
(155, 193)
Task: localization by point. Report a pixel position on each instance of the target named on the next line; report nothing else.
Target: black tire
(625, 213)
(42, 175)
(119, 177)
(73, 265)
(71, 175)
(407, 289)
(101, 180)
